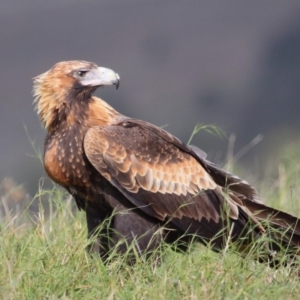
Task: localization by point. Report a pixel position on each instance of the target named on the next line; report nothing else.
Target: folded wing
(155, 172)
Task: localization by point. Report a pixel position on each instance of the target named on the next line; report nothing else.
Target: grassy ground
(47, 260)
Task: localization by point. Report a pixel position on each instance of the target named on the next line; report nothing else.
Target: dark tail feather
(277, 233)
(243, 232)
(283, 227)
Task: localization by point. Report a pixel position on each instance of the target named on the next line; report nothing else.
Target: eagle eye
(81, 73)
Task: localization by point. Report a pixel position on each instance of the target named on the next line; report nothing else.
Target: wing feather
(153, 170)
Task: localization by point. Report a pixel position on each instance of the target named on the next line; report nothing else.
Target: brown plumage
(142, 175)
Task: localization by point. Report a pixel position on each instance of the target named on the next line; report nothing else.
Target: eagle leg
(132, 230)
(99, 231)
(134, 235)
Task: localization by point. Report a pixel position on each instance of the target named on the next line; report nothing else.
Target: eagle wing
(155, 171)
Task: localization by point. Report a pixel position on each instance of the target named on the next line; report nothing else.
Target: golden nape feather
(144, 178)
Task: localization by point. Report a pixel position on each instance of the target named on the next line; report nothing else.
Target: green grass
(47, 260)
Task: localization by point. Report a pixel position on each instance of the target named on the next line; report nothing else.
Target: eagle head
(66, 83)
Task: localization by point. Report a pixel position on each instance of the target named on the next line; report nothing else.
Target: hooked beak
(101, 76)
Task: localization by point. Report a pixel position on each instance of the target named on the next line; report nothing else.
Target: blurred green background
(235, 64)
